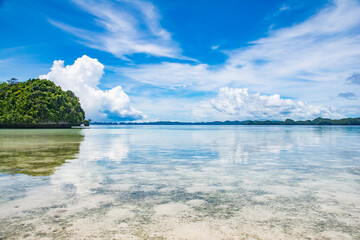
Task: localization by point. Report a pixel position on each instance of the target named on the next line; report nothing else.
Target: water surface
(181, 182)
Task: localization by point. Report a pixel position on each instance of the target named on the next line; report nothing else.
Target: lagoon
(180, 182)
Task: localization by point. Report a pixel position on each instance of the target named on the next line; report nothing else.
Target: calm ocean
(181, 182)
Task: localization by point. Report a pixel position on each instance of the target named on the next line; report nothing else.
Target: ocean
(180, 182)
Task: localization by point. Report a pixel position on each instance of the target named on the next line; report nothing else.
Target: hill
(38, 103)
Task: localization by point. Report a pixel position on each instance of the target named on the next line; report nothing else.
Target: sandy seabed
(180, 183)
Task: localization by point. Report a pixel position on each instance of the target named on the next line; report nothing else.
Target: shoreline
(287, 122)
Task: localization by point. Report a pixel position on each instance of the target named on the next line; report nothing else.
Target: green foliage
(344, 121)
(38, 102)
(322, 121)
(289, 122)
(86, 122)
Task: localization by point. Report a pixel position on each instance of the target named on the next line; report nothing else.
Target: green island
(38, 103)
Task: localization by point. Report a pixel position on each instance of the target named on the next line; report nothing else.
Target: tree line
(317, 121)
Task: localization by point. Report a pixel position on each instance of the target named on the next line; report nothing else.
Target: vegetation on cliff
(36, 103)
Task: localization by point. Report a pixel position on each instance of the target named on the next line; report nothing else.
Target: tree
(12, 81)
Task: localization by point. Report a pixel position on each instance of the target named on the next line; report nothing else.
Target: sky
(190, 60)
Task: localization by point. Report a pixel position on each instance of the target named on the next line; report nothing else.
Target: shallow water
(181, 182)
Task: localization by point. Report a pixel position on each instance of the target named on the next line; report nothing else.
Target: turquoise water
(181, 182)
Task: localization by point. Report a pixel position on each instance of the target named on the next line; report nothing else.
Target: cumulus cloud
(239, 102)
(82, 78)
(126, 27)
(304, 61)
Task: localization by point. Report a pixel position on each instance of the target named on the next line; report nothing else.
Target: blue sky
(190, 60)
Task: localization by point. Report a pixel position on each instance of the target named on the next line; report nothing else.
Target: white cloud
(240, 103)
(284, 7)
(167, 74)
(322, 49)
(308, 61)
(82, 78)
(126, 27)
(325, 44)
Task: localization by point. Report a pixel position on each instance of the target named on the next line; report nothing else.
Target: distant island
(317, 121)
(38, 103)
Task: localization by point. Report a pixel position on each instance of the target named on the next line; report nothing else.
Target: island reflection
(37, 152)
